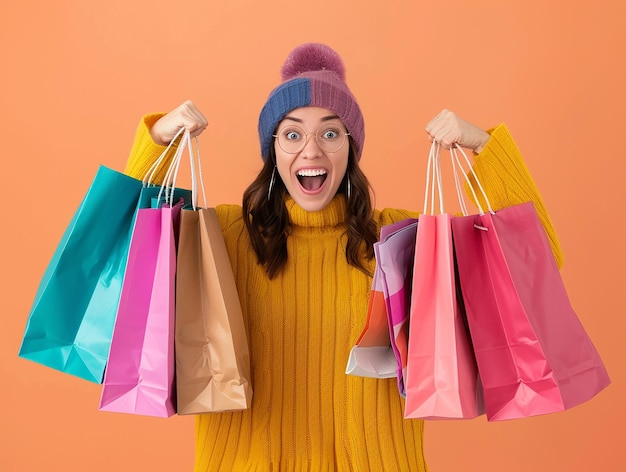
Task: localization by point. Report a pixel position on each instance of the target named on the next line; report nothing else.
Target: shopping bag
(533, 353)
(373, 353)
(441, 375)
(71, 320)
(139, 376)
(395, 256)
(212, 354)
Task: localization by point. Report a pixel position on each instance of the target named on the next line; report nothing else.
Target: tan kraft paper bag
(212, 356)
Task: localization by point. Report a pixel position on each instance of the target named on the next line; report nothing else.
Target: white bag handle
(456, 165)
(148, 178)
(169, 181)
(196, 164)
(433, 165)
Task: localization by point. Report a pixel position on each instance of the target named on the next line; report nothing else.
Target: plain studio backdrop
(76, 76)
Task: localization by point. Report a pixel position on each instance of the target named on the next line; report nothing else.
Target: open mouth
(311, 179)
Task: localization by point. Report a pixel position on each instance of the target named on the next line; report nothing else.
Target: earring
(348, 189)
(272, 181)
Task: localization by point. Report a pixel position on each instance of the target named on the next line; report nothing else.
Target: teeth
(311, 172)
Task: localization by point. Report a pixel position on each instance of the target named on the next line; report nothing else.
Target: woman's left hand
(448, 129)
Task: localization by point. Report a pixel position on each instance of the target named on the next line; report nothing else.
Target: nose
(311, 149)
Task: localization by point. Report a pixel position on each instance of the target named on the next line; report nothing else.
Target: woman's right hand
(448, 129)
(186, 115)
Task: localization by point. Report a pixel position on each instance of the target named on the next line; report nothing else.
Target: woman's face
(313, 173)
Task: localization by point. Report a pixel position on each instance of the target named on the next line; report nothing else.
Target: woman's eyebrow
(325, 118)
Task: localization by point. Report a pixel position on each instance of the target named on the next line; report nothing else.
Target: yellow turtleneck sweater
(306, 413)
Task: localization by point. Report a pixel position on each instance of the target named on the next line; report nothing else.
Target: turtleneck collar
(333, 214)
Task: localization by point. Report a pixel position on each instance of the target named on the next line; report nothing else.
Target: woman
(302, 255)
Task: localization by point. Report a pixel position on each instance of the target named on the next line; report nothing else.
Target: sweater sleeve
(507, 181)
(389, 216)
(145, 152)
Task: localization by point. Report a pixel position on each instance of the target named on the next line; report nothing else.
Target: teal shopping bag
(71, 321)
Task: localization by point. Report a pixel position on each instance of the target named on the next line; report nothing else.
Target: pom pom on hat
(313, 75)
(312, 57)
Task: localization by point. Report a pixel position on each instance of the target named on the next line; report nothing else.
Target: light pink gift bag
(442, 377)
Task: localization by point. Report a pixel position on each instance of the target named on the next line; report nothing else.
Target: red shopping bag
(442, 377)
(533, 353)
(394, 257)
(374, 353)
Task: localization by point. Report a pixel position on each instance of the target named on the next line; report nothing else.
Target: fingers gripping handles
(183, 137)
(434, 187)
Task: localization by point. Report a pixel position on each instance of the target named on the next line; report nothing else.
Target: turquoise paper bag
(71, 321)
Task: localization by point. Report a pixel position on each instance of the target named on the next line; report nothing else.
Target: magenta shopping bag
(139, 376)
(533, 353)
(441, 375)
(394, 257)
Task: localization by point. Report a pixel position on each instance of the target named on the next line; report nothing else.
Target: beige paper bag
(212, 355)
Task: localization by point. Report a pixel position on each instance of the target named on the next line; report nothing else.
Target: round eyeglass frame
(323, 145)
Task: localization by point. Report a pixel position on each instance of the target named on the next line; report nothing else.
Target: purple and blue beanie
(313, 75)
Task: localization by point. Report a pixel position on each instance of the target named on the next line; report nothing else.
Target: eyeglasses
(330, 138)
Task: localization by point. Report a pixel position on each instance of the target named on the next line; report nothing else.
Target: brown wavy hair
(268, 223)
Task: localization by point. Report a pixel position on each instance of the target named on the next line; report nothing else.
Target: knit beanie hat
(313, 75)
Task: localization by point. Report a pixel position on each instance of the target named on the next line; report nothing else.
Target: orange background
(76, 76)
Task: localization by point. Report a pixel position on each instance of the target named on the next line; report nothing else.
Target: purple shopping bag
(139, 376)
(394, 258)
(373, 354)
(533, 353)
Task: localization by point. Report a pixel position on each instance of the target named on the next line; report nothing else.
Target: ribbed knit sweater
(306, 413)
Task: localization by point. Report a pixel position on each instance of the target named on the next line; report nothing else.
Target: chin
(313, 204)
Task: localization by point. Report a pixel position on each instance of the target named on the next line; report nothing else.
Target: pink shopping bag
(139, 376)
(533, 353)
(441, 375)
(394, 257)
(373, 354)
